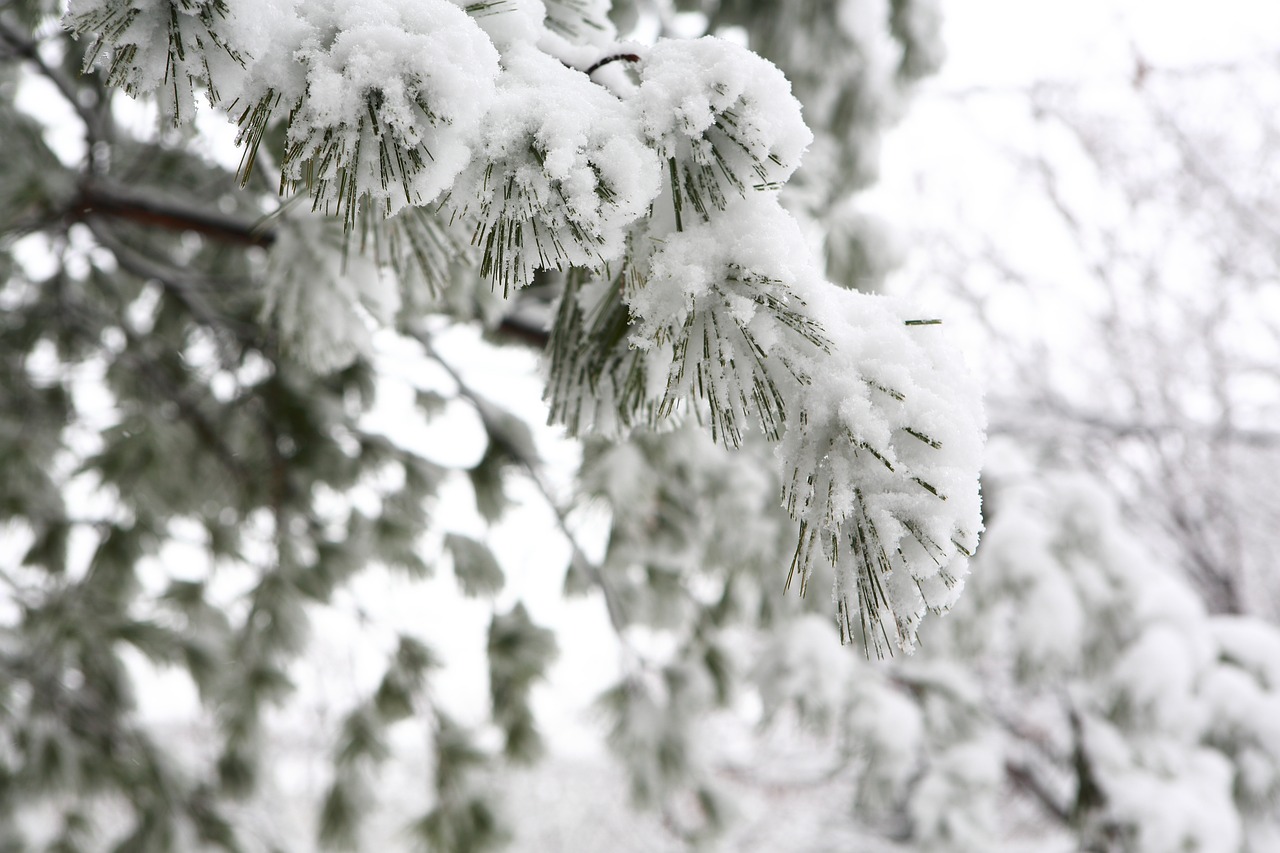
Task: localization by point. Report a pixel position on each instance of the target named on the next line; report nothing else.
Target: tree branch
(94, 122)
(1025, 780)
(613, 606)
(172, 281)
(1089, 793)
(148, 210)
(519, 330)
(617, 57)
(1054, 412)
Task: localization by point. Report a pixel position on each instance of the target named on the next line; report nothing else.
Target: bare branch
(617, 57)
(1025, 780)
(147, 209)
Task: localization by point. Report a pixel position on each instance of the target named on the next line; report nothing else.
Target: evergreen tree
(1082, 697)
(191, 354)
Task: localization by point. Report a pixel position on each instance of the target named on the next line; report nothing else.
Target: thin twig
(29, 50)
(617, 57)
(173, 281)
(1022, 776)
(613, 606)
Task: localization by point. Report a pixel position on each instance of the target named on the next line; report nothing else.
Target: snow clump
(560, 172)
(724, 113)
(158, 47)
(395, 90)
(882, 460)
(722, 317)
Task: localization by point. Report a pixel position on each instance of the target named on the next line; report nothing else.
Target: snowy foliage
(325, 326)
(393, 93)
(559, 176)
(1077, 696)
(395, 104)
(722, 117)
(259, 465)
(1105, 682)
(878, 483)
(172, 49)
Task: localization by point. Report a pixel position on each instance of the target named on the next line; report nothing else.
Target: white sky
(953, 159)
(1014, 42)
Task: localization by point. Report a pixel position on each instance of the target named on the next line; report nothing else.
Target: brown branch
(617, 57)
(109, 202)
(148, 210)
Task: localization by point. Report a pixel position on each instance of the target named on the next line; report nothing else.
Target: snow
(1179, 724)
(695, 93)
(1049, 623)
(900, 395)
(1192, 702)
(952, 807)
(1252, 644)
(725, 284)
(889, 729)
(802, 666)
(137, 56)
(1154, 680)
(882, 428)
(410, 76)
(582, 22)
(1184, 807)
(269, 34)
(559, 174)
(395, 103)
(754, 235)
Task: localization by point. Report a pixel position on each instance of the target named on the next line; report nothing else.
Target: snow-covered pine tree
(190, 475)
(1083, 696)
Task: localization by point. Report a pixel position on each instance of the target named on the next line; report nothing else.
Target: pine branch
(102, 200)
(199, 423)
